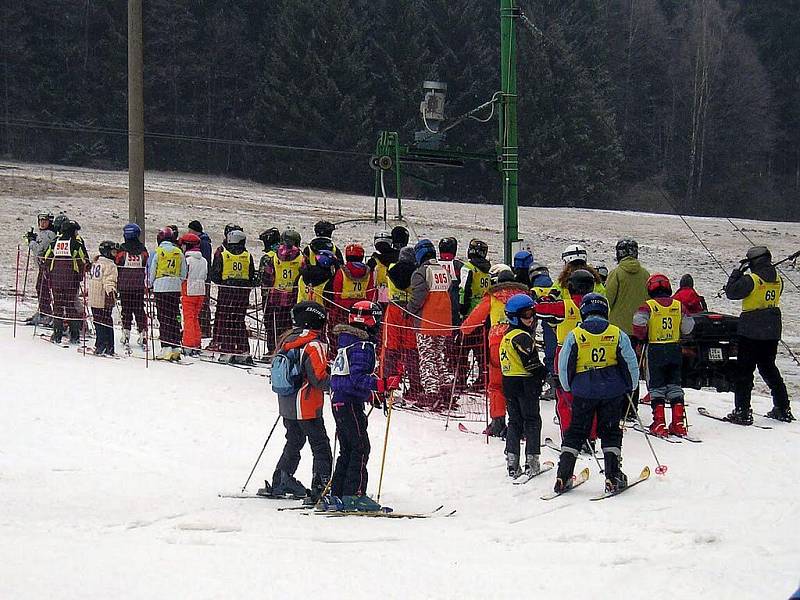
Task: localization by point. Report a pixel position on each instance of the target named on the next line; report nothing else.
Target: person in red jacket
(691, 301)
(352, 283)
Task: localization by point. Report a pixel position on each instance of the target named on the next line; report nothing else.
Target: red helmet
(659, 283)
(354, 253)
(365, 312)
(190, 240)
(165, 233)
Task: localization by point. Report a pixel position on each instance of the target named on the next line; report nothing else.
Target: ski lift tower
(429, 147)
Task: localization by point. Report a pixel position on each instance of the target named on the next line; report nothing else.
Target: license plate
(715, 354)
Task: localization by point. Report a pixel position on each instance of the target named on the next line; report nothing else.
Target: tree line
(669, 105)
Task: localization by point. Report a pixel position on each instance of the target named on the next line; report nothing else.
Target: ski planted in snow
(705, 413)
(544, 468)
(643, 476)
(578, 480)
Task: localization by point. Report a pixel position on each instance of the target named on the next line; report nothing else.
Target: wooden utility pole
(135, 115)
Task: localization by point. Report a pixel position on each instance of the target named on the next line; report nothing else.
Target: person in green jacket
(626, 289)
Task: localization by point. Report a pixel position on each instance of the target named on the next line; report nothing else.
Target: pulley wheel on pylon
(385, 162)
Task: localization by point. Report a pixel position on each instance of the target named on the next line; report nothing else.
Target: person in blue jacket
(598, 365)
(353, 380)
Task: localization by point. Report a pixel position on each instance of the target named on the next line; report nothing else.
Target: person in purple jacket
(352, 383)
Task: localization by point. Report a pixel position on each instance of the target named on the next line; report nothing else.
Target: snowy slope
(109, 472)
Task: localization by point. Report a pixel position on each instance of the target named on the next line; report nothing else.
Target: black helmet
(477, 249)
(231, 227)
(580, 282)
(70, 228)
(59, 222)
(400, 236)
(270, 237)
(308, 315)
(537, 269)
(291, 238)
(107, 247)
(759, 255)
(448, 245)
(324, 229)
(687, 281)
(627, 247)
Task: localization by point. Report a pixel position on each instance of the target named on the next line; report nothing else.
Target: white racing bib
(61, 249)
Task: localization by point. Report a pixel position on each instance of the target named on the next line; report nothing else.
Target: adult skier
(38, 243)
(67, 261)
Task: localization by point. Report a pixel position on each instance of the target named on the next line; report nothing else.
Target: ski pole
(260, 454)
(25, 280)
(385, 443)
(16, 293)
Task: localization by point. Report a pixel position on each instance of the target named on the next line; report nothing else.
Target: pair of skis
(704, 411)
(583, 477)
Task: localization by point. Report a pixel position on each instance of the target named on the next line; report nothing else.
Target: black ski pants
(297, 432)
(759, 354)
(522, 405)
(608, 410)
(350, 475)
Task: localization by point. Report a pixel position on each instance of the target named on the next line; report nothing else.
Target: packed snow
(110, 470)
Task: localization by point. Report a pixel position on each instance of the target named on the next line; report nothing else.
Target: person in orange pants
(492, 307)
(193, 291)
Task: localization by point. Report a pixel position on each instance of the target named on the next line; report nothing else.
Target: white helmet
(499, 273)
(574, 253)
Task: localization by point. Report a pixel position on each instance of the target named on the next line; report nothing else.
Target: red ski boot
(677, 427)
(658, 427)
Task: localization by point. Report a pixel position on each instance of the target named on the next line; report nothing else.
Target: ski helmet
(500, 273)
(574, 253)
(519, 306)
(759, 254)
(354, 253)
(658, 285)
(164, 235)
(407, 255)
(236, 236)
(196, 226)
(309, 315)
(580, 282)
(627, 247)
(537, 269)
(523, 260)
(382, 241)
(131, 231)
(365, 313)
(594, 304)
(424, 250)
(400, 236)
(448, 245)
(175, 232)
(326, 259)
(291, 238)
(70, 228)
(324, 229)
(59, 222)
(231, 227)
(45, 215)
(477, 249)
(108, 249)
(189, 240)
(270, 237)
(602, 270)
(687, 281)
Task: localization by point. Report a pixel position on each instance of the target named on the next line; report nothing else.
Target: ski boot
(658, 426)
(566, 468)
(497, 428)
(616, 480)
(512, 462)
(266, 491)
(284, 484)
(781, 414)
(74, 332)
(142, 340)
(319, 485)
(360, 504)
(330, 503)
(58, 333)
(678, 427)
(740, 416)
(532, 466)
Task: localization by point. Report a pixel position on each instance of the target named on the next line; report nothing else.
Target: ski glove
(29, 236)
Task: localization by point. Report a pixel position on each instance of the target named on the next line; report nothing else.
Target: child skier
(691, 301)
(103, 297)
(352, 383)
(302, 410)
(523, 376)
(659, 323)
(193, 292)
(132, 260)
(597, 365)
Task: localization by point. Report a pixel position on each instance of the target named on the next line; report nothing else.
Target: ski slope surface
(111, 470)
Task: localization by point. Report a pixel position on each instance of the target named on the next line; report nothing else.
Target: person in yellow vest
(542, 287)
(523, 376)
(759, 332)
(352, 283)
(659, 323)
(384, 256)
(284, 264)
(323, 240)
(233, 271)
(492, 309)
(597, 365)
(474, 278)
(166, 270)
(316, 279)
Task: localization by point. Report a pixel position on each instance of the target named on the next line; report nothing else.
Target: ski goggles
(525, 314)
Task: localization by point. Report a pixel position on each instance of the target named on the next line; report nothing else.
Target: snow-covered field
(109, 472)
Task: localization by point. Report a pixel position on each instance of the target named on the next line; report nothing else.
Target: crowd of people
(420, 320)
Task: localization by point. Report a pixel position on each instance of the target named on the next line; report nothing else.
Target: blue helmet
(523, 260)
(424, 250)
(131, 231)
(516, 305)
(326, 259)
(594, 304)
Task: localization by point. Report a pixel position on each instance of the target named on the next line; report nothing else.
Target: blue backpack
(286, 372)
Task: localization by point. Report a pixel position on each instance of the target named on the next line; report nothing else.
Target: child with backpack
(300, 377)
(352, 383)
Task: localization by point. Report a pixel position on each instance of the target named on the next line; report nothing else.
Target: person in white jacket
(193, 291)
(103, 296)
